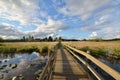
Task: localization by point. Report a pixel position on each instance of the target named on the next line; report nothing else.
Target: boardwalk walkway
(66, 68)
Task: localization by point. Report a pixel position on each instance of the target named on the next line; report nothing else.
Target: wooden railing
(47, 70)
(92, 70)
(104, 67)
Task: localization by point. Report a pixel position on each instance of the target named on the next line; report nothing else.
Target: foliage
(85, 49)
(28, 49)
(116, 53)
(7, 49)
(50, 38)
(97, 39)
(98, 52)
(95, 51)
(41, 47)
(1, 39)
(44, 49)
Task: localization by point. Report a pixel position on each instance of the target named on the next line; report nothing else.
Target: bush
(29, 49)
(85, 49)
(98, 52)
(7, 49)
(116, 53)
(44, 49)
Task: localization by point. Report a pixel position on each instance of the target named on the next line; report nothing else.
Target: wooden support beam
(107, 69)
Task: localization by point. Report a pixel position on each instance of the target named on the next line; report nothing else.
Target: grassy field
(111, 48)
(26, 46)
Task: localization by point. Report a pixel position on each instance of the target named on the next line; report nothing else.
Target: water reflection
(115, 64)
(21, 65)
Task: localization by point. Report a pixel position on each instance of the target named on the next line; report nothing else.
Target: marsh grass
(116, 53)
(97, 52)
(104, 48)
(85, 49)
(44, 50)
(41, 47)
(6, 49)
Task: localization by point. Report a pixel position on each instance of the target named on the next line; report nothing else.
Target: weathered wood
(103, 66)
(99, 77)
(47, 71)
(66, 67)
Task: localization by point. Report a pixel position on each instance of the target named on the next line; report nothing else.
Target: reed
(104, 48)
(41, 47)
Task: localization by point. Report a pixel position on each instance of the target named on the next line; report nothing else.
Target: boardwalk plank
(66, 68)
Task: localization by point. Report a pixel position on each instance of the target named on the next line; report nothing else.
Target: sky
(70, 19)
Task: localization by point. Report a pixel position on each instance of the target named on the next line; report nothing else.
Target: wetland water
(21, 66)
(115, 64)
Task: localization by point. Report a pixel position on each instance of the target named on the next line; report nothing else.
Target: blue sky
(76, 19)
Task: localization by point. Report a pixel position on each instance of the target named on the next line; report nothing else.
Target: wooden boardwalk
(61, 65)
(66, 68)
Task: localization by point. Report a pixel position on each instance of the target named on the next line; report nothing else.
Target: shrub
(116, 53)
(7, 49)
(44, 49)
(98, 52)
(85, 49)
(28, 49)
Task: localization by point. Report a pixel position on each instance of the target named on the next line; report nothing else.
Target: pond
(21, 66)
(113, 63)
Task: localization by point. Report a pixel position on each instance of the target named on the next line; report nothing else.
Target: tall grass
(97, 52)
(111, 48)
(41, 47)
(116, 53)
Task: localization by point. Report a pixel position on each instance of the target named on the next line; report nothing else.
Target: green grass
(102, 51)
(10, 49)
(42, 48)
(6, 49)
(116, 53)
(95, 51)
(98, 52)
(85, 49)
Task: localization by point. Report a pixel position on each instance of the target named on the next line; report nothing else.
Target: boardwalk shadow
(67, 68)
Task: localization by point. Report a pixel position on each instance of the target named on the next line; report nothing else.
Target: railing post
(104, 67)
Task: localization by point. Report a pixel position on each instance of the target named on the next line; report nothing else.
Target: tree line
(50, 39)
(31, 39)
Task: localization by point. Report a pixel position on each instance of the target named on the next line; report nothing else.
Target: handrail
(107, 69)
(46, 73)
(99, 77)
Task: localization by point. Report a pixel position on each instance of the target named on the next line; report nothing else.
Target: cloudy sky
(76, 19)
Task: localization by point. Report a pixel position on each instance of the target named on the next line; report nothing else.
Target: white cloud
(110, 32)
(7, 32)
(105, 22)
(94, 35)
(83, 8)
(51, 27)
(27, 13)
(18, 10)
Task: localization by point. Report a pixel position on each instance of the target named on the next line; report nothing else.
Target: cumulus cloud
(7, 32)
(105, 22)
(18, 10)
(94, 35)
(82, 8)
(51, 27)
(27, 13)
(42, 18)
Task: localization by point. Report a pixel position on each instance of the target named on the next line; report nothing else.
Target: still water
(21, 66)
(113, 63)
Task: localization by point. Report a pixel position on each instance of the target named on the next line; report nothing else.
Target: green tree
(1, 39)
(24, 38)
(60, 39)
(50, 38)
